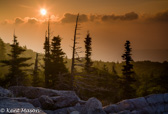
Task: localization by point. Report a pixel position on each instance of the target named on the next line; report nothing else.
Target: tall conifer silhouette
(57, 62)
(88, 50)
(2, 50)
(127, 71)
(36, 72)
(16, 75)
(47, 60)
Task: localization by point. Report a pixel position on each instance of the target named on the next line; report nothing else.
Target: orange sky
(110, 22)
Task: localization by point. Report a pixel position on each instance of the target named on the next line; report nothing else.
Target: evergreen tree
(36, 72)
(2, 50)
(58, 64)
(16, 75)
(47, 62)
(127, 71)
(114, 72)
(88, 48)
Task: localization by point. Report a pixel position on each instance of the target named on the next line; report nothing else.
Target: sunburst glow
(43, 11)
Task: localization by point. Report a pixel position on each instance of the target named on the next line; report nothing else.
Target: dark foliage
(47, 62)
(128, 74)
(58, 68)
(17, 74)
(2, 50)
(88, 49)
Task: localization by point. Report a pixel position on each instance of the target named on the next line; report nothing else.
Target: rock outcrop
(48, 101)
(8, 105)
(93, 106)
(5, 93)
(36, 92)
(151, 104)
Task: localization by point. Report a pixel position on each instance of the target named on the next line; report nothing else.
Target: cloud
(159, 17)
(5, 22)
(127, 17)
(71, 18)
(32, 20)
(95, 17)
(28, 20)
(18, 20)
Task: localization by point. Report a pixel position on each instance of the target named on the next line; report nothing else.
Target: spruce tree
(2, 50)
(36, 72)
(114, 72)
(57, 61)
(88, 53)
(47, 62)
(16, 76)
(127, 71)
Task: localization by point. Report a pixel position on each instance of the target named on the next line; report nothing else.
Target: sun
(43, 11)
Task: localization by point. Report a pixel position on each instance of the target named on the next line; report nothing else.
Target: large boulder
(69, 110)
(155, 99)
(8, 105)
(64, 101)
(46, 102)
(111, 108)
(139, 103)
(166, 97)
(35, 102)
(151, 104)
(75, 112)
(20, 99)
(36, 92)
(119, 107)
(5, 93)
(93, 106)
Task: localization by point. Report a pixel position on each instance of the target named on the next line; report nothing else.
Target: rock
(121, 106)
(64, 101)
(10, 103)
(75, 112)
(5, 93)
(125, 105)
(155, 98)
(36, 92)
(139, 103)
(31, 92)
(35, 102)
(82, 102)
(93, 106)
(46, 102)
(21, 99)
(150, 104)
(49, 112)
(166, 107)
(147, 110)
(79, 108)
(67, 110)
(124, 112)
(159, 108)
(166, 97)
(111, 108)
(12, 106)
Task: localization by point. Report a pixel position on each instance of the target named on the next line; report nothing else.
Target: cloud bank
(71, 18)
(159, 17)
(127, 17)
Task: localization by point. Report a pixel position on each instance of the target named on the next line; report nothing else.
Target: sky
(109, 22)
